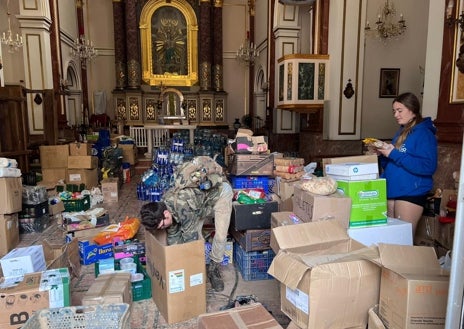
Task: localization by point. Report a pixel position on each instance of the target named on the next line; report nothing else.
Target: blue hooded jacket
(409, 170)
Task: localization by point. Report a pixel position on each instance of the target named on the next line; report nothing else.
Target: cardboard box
(282, 218)
(326, 279)
(310, 207)
(11, 197)
(178, 277)
(36, 291)
(89, 251)
(394, 232)
(55, 206)
(350, 169)
(252, 216)
(9, 233)
(82, 162)
(253, 240)
(374, 321)
(53, 176)
(355, 158)
(63, 255)
(368, 201)
(80, 149)
(54, 156)
(129, 153)
(413, 288)
(249, 316)
(285, 187)
(110, 189)
(252, 164)
(109, 288)
(20, 261)
(359, 177)
(89, 177)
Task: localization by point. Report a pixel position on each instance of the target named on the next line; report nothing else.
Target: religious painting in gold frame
(457, 71)
(169, 43)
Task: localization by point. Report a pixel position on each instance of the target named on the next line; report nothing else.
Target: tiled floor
(144, 314)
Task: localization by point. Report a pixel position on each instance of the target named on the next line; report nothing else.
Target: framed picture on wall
(389, 83)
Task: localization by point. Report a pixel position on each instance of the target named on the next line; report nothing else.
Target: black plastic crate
(34, 210)
(31, 224)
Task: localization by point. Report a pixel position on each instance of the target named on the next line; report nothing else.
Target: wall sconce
(450, 20)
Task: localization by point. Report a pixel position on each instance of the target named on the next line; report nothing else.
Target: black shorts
(420, 200)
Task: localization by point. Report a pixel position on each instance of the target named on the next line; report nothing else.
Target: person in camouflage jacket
(201, 191)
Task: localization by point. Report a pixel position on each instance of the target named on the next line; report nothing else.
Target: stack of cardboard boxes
(342, 263)
(69, 163)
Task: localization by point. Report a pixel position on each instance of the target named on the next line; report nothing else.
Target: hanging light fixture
(13, 43)
(386, 27)
(247, 52)
(84, 50)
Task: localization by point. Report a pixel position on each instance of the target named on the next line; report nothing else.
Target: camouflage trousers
(222, 212)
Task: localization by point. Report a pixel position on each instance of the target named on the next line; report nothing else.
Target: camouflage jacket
(187, 207)
(188, 203)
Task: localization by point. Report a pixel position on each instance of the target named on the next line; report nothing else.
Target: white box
(351, 168)
(394, 232)
(20, 261)
(356, 177)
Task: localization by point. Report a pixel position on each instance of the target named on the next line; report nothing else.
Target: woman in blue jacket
(410, 161)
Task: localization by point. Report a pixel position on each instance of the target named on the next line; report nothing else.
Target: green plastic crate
(141, 289)
(77, 204)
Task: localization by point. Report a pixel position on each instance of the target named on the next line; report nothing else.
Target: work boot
(214, 276)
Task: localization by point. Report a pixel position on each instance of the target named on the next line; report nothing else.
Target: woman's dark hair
(411, 102)
(152, 214)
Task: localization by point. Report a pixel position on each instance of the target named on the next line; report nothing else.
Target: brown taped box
(82, 162)
(253, 240)
(11, 196)
(110, 189)
(89, 177)
(129, 153)
(249, 316)
(80, 149)
(252, 164)
(9, 233)
(289, 161)
(53, 176)
(54, 156)
(175, 301)
(109, 288)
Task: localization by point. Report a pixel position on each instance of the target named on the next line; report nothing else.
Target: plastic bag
(125, 230)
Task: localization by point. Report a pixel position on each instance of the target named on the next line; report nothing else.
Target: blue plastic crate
(253, 265)
(242, 182)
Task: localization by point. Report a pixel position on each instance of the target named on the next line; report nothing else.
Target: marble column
(218, 69)
(204, 45)
(132, 46)
(119, 44)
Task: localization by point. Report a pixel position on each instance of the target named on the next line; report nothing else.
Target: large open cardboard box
(327, 279)
(413, 288)
(178, 277)
(38, 290)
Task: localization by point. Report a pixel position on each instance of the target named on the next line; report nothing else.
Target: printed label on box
(176, 281)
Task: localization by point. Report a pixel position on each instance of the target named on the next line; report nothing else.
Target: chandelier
(13, 43)
(247, 52)
(386, 26)
(84, 50)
